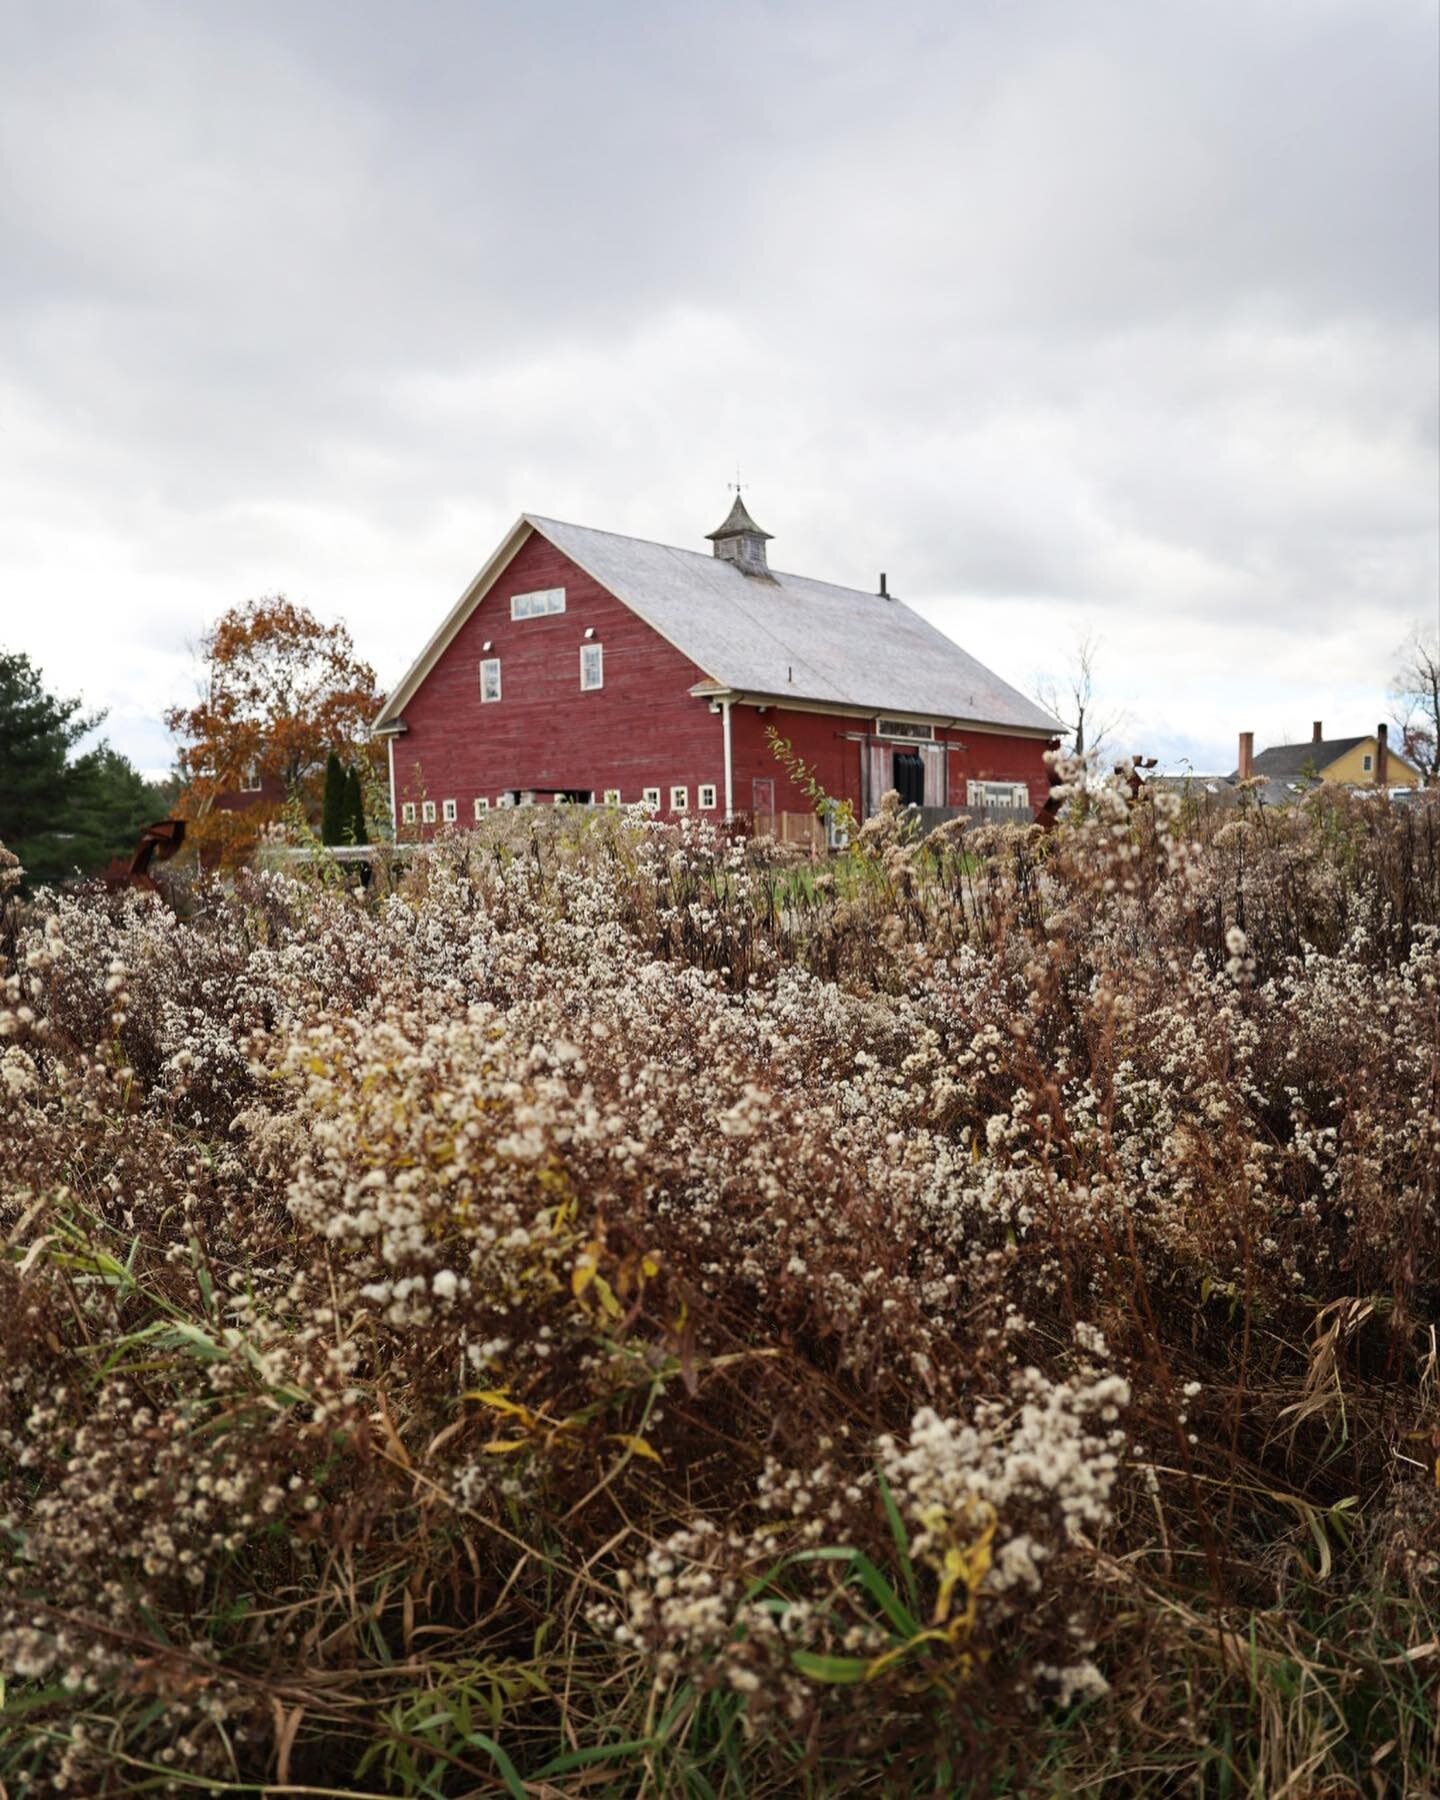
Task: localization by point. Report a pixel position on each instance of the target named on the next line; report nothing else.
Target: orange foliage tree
(281, 691)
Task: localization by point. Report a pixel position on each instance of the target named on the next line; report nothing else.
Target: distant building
(1289, 770)
(583, 666)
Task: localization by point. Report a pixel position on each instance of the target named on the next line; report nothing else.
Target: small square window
(427, 812)
(407, 812)
(250, 779)
(447, 811)
(592, 667)
(679, 799)
(706, 800)
(490, 678)
(650, 797)
(612, 796)
(482, 806)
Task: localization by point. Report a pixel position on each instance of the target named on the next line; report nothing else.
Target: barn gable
(785, 639)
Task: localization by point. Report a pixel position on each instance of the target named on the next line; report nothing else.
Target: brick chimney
(1382, 756)
(1247, 755)
(1317, 733)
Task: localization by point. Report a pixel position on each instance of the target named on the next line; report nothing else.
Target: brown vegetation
(630, 1315)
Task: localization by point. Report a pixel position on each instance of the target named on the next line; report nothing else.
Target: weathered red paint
(642, 729)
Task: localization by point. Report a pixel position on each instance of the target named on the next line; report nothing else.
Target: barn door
(762, 803)
(933, 757)
(879, 784)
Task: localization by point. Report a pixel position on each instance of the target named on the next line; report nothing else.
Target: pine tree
(354, 812)
(332, 807)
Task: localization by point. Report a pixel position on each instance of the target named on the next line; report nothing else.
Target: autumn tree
(1415, 697)
(281, 691)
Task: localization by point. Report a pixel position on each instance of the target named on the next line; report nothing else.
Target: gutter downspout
(729, 777)
(394, 805)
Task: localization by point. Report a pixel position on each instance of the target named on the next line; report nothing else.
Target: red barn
(580, 665)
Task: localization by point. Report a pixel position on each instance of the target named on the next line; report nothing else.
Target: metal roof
(792, 638)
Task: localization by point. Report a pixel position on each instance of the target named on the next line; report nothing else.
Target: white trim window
(537, 605)
(612, 796)
(448, 811)
(1368, 762)
(490, 678)
(650, 797)
(251, 780)
(407, 812)
(482, 806)
(679, 799)
(902, 728)
(996, 793)
(592, 667)
(705, 799)
(427, 812)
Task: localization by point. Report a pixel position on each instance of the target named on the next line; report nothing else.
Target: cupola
(741, 541)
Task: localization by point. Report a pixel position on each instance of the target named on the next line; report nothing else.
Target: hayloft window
(490, 678)
(706, 798)
(250, 780)
(538, 604)
(447, 811)
(592, 667)
(427, 812)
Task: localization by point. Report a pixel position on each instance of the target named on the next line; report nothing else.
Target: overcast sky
(1069, 316)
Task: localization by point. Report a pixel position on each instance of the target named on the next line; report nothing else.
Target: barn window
(250, 781)
(679, 799)
(706, 799)
(903, 728)
(490, 678)
(538, 604)
(482, 806)
(996, 793)
(592, 666)
(407, 812)
(650, 797)
(427, 812)
(447, 811)
(612, 796)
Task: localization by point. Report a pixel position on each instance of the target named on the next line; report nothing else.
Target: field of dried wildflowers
(619, 1315)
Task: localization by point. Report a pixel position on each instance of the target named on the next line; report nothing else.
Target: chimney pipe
(884, 591)
(1247, 755)
(1382, 756)
(1317, 732)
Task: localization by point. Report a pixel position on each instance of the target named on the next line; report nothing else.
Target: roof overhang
(856, 709)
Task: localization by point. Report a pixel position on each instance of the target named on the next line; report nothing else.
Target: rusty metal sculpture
(1049, 814)
(158, 843)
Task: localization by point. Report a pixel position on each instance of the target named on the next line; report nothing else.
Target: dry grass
(627, 1314)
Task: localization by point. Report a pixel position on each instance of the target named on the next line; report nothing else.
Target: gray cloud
(1121, 315)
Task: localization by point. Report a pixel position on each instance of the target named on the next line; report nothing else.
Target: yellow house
(1348, 762)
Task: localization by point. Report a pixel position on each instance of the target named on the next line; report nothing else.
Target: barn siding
(642, 729)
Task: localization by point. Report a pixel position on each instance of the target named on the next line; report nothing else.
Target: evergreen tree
(60, 816)
(332, 805)
(355, 832)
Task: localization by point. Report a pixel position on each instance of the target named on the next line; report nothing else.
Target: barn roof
(787, 639)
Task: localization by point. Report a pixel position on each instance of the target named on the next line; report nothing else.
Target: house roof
(1292, 762)
(786, 639)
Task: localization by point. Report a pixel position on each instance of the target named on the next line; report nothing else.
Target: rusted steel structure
(158, 843)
